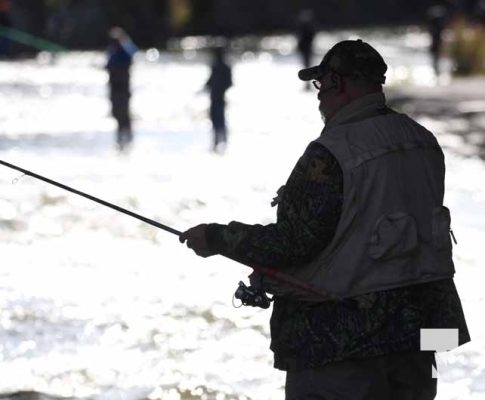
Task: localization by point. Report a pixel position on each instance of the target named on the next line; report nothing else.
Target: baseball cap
(349, 58)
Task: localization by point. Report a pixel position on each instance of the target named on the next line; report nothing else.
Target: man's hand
(196, 240)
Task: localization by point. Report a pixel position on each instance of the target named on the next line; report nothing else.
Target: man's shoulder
(388, 121)
(319, 150)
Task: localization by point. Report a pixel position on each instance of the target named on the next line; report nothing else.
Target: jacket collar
(357, 109)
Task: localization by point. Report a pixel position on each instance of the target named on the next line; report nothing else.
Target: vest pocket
(395, 235)
(440, 228)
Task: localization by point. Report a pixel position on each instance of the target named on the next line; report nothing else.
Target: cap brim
(308, 74)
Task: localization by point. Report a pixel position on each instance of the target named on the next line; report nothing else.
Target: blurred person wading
(361, 220)
(5, 23)
(120, 57)
(220, 80)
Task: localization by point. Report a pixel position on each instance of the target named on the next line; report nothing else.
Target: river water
(95, 304)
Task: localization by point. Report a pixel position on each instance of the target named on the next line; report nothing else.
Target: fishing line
(18, 178)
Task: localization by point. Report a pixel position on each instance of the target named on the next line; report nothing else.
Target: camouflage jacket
(307, 334)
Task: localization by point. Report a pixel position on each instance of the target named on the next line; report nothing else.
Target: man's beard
(322, 115)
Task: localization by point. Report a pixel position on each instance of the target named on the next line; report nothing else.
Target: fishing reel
(251, 296)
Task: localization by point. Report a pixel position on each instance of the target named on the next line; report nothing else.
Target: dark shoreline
(460, 105)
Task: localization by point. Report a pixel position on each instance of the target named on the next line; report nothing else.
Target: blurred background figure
(479, 11)
(59, 23)
(5, 22)
(437, 16)
(219, 81)
(306, 35)
(120, 57)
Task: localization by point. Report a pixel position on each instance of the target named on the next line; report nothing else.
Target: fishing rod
(271, 272)
(30, 40)
(97, 200)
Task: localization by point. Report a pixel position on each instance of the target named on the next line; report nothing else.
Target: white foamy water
(95, 303)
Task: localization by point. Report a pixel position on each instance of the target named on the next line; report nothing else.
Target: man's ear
(338, 82)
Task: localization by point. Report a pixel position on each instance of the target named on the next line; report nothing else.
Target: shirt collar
(351, 111)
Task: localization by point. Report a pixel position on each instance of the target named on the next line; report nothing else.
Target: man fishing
(362, 226)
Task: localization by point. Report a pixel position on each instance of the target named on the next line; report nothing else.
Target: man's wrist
(214, 237)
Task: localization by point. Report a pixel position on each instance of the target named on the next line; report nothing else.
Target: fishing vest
(394, 230)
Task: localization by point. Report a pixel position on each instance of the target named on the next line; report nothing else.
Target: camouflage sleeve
(309, 208)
